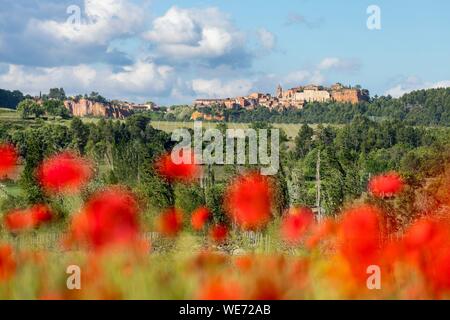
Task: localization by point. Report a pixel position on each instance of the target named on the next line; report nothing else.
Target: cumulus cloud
(138, 81)
(317, 74)
(298, 77)
(413, 83)
(144, 77)
(44, 34)
(338, 64)
(101, 21)
(267, 39)
(206, 35)
(216, 88)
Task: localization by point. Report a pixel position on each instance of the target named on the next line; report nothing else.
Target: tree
(10, 99)
(214, 201)
(57, 94)
(188, 197)
(158, 191)
(33, 150)
(56, 108)
(96, 97)
(303, 141)
(24, 108)
(80, 134)
(29, 107)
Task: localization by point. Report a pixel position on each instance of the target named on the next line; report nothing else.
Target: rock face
(87, 108)
(349, 95)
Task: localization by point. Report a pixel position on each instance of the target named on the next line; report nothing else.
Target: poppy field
(353, 254)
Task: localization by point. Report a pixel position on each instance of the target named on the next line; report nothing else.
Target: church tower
(279, 92)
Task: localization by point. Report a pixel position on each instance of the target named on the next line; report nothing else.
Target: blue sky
(174, 51)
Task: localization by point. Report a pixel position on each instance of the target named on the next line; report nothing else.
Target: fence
(53, 241)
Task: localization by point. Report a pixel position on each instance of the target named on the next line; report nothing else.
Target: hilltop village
(291, 98)
(296, 98)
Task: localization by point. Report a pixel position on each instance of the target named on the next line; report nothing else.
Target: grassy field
(8, 115)
(290, 129)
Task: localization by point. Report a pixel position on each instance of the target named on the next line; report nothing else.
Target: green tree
(29, 107)
(57, 94)
(304, 141)
(79, 133)
(188, 197)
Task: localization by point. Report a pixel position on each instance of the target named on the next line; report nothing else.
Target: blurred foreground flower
(183, 170)
(7, 262)
(295, 224)
(170, 222)
(218, 288)
(426, 246)
(8, 159)
(386, 185)
(21, 220)
(218, 233)
(64, 173)
(248, 201)
(360, 238)
(199, 218)
(109, 218)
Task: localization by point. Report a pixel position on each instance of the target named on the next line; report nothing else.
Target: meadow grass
(291, 129)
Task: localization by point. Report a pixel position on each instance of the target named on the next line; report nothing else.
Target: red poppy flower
(7, 262)
(64, 173)
(244, 263)
(218, 233)
(248, 201)
(295, 224)
(320, 231)
(423, 234)
(170, 222)
(18, 220)
(183, 169)
(208, 260)
(361, 236)
(41, 213)
(8, 159)
(266, 289)
(199, 218)
(21, 220)
(220, 289)
(386, 185)
(109, 218)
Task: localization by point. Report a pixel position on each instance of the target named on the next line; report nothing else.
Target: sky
(172, 52)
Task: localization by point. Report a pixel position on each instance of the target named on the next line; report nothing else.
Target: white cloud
(318, 74)
(143, 76)
(143, 79)
(268, 39)
(194, 34)
(101, 21)
(300, 77)
(413, 83)
(338, 64)
(216, 88)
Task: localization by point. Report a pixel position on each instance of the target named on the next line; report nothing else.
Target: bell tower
(279, 92)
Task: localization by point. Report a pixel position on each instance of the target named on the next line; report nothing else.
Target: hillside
(429, 107)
